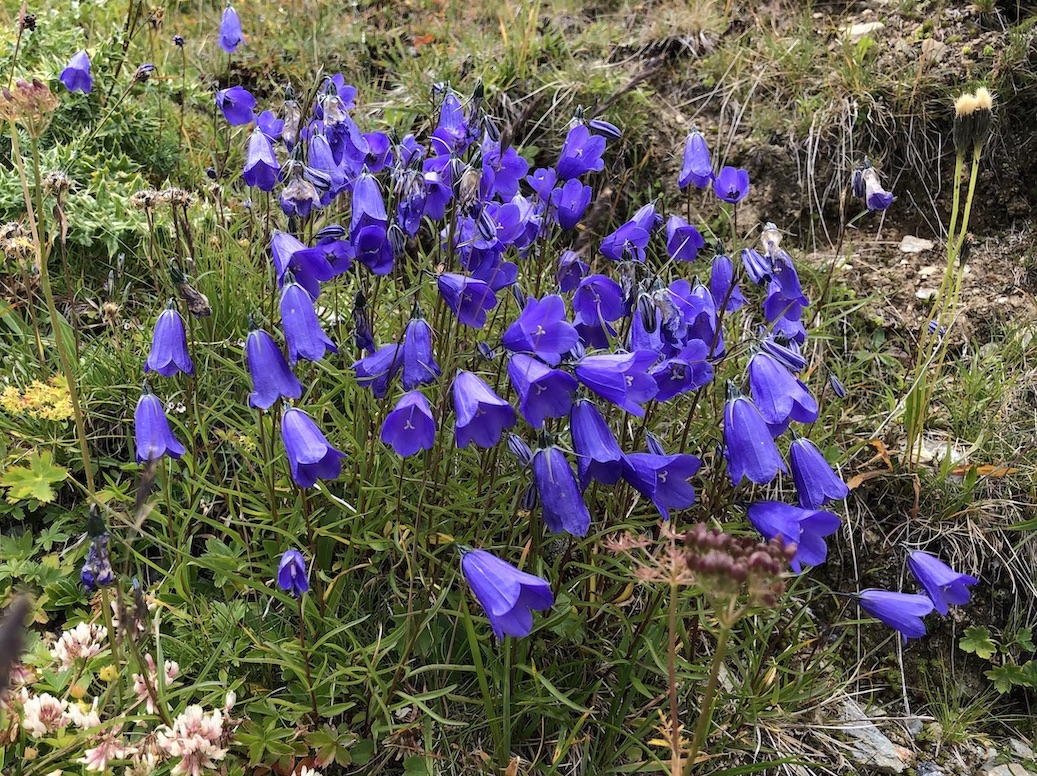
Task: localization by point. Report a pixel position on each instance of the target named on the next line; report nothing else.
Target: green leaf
(1006, 677)
(35, 481)
(977, 641)
(1024, 639)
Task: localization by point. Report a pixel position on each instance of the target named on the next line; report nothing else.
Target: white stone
(869, 746)
(912, 244)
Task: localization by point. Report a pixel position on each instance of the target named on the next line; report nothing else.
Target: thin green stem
(706, 710)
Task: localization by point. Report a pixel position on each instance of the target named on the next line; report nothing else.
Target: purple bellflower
(748, 444)
(683, 240)
(563, 506)
(943, 584)
(786, 352)
(903, 612)
(597, 302)
(697, 168)
(410, 427)
(570, 202)
(300, 196)
(598, 454)
(684, 372)
(169, 345)
(309, 266)
(271, 126)
(663, 479)
(875, 197)
(310, 455)
(302, 331)
(757, 267)
(804, 528)
(236, 103)
(230, 30)
(732, 184)
(377, 369)
(76, 77)
(571, 270)
(469, 299)
(506, 594)
(97, 571)
(543, 392)
(291, 573)
(627, 242)
(153, 436)
(261, 167)
(816, 482)
(419, 365)
(722, 285)
(542, 329)
(621, 379)
(272, 378)
(482, 415)
(778, 394)
(581, 153)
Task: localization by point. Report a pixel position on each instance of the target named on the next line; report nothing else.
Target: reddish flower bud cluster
(30, 104)
(727, 565)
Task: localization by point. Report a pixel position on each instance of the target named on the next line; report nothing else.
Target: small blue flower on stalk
(236, 103)
(683, 240)
(837, 387)
(684, 372)
(270, 125)
(376, 370)
(419, 365)
(581, 153)
(570, 202)
(732, 184)
(302, 330)
(272, 378)
(748, 444)
(722, 285)
(543, 392)
(310, 455)
(903, 612)
(482, 415)
(410, 427)
(291, 573)
(943, 584)
(597, 302)
(598, 454)
(169, 345)
(627, 242)
(779, 395)
(300, 197)
(542, 329)
(816, 482)
(806, 529)
(261, 167)
(153, 436)
(571, 270)
(309, 266)
(469, 299)
(560, 500)
(506, 594)
(97, 569)
(621, 379)
(697, 167)
(875, 197)
(76, 77)
(230, 30)
(757, 267)
(663, 479)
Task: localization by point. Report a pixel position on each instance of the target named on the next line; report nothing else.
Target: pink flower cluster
(196, 737)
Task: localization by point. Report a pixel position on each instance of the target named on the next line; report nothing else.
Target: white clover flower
(43, 714)
(80, 643)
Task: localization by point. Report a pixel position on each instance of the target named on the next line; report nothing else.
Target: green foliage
(1008, 671)
(35, 481)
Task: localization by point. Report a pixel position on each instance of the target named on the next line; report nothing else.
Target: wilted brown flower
(30, 104)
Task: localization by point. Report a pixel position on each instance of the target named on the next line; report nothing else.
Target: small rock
(1012, 769)
(912, 244)
(869, 745)
(914, 727)
(1020, 749)
(926, 293)
(933, 50)
(929, 769)
(858, 31)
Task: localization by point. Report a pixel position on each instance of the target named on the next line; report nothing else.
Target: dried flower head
(972, 117)
(730, 566)
(30, 104)
(56, 182)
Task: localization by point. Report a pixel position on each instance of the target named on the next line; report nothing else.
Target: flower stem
(706, 710)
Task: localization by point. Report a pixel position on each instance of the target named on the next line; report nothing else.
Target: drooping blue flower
(628, 242)
(581, 153)
(944, 585)
(76, 77)
(272, 378)
(542, 181)
(560, 500)
(419, 365)
(663, 479)
(261, 167)
(469, 299)
(731, 184)
(722, 285)
(169, 345)
(501, 170)
(683, 240)
(757, 267)
(236, 103)
(598, 454)
(778, 394)
(542, 329)
(302, 330)
(410, 427)
(309, 267)
(451, 134)
(299, 197)
(621, 379)
(597, 302)
(816, 482)
(875, 197)
(570, 202)
(684, 372)
(785, 352)
(903, 612)
(837, 387)
(543, 392)
(806, 529)
(153, 436)
(506, 594)
(377, 369)
(697, 167)
(571, 270)
(230, 30)
(310, 455)
(748, 444)
(291, 573)
(482, 415)
(271, 126)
